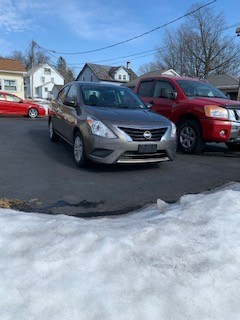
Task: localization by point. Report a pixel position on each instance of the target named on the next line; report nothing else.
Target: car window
(72, 93)
(200, 89)
(63, 93)
(111, 97)
(159, 86)
(12, 98)
(145, 89)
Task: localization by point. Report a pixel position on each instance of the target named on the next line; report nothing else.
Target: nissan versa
(110, 124)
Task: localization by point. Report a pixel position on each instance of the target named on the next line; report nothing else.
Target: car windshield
(200, 89)
(111, 97)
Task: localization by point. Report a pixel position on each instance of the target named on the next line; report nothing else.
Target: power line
(136, 37)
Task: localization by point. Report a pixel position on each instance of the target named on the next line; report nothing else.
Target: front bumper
(220, 131)
(118, 150)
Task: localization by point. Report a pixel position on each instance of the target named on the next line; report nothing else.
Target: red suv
(201, 112)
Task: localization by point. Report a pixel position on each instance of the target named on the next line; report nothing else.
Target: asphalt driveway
(38, 175)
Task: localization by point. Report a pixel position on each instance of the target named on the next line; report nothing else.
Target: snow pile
(166, 262)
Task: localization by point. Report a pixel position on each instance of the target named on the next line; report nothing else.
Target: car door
(58, 109)
(70, 112)
(161, 97)
(3, 104)
(14, 105)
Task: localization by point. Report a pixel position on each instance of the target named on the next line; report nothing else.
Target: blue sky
(74, 26)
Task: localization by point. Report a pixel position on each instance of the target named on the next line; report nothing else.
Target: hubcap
(78, 149)
(187, 137)
(32, 113)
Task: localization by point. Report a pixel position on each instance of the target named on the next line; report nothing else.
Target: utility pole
(238, 97)
(33, 55)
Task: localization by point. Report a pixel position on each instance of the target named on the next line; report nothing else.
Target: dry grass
(8, 203)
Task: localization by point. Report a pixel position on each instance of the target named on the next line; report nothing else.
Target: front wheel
(78, 150)
(190, 137)
(52, 134)
(32, 113)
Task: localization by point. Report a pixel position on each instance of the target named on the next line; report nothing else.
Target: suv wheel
(78, 150)
(52, 134)
(190, 137)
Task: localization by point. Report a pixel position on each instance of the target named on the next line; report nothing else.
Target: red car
(13, 105)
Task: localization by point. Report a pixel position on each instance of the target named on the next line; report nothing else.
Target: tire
(32, 113)
(78, 150)
(190, 137)
(52, 134)
(233, 146)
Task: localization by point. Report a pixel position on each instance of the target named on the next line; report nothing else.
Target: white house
(11, 76)
(106, 74)
(40, 80)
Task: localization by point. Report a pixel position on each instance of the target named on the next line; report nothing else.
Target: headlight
(99, 129)
(232, 116)
(215, 112)
(173, 131)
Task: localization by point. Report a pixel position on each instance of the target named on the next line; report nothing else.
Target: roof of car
(171, 77)
(96, 84)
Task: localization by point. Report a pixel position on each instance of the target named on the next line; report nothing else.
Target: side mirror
(70, 103)
(166, 93)
(173, 95)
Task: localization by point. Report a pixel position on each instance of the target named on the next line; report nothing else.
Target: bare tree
(151, 66)
(31, 57)
(199, 46)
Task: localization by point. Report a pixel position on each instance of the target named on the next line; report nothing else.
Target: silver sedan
(110, 124)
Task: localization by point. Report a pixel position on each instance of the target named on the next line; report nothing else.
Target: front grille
(136, 157)
(235, 110)
(138, 134)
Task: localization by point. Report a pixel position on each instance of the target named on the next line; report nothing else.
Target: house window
(46, 89)
(91, 78)
(43, 79)
(52, 79)
(83, 78)
(120, 77)
(10, 85)
(124, 77)
(47, 71)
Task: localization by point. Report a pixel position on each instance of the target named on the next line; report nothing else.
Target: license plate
(147, 148)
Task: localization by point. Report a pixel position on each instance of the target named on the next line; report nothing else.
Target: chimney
(128, 65)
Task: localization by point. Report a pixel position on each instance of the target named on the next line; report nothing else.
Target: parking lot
(38, 175)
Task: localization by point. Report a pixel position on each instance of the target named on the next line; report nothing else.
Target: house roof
(11, 65)
(223, 81)
(105, 73)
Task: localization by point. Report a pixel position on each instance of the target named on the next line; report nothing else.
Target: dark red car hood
(217, 101)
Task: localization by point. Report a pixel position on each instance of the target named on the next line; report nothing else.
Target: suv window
(159, 86)
(145, 89)
(63, 93)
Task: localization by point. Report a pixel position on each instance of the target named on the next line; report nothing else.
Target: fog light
(222, 133)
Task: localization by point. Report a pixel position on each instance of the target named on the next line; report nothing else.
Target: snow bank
(166, 262)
